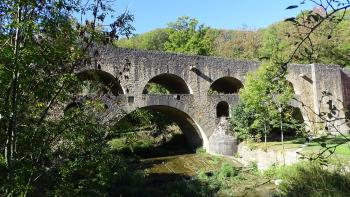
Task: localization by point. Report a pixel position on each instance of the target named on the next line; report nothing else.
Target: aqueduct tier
(201, 90)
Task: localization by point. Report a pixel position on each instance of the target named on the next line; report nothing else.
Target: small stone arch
(171, 82)
(222, 109)
(291, 85)
(226, 85)
(72, 105)
(104, 77)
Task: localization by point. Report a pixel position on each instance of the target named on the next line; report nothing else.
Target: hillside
(277, 41)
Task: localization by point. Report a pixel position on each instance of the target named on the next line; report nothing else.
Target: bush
(3, 169)
(314, 180)
(200, 150)
(227, 170)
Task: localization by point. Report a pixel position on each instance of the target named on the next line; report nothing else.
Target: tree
(183, 36)
(264, 100)
(186, 36)
(41, 46)
(236, 44)
(315, 30)
(152, 40)
(324, 19)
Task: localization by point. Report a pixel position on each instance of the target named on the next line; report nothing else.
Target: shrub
(314, 180)
(228, 170)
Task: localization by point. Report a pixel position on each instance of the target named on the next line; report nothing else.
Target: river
(162, 170)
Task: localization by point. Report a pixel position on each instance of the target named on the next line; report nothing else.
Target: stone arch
(173, 83)
(226, 85)
(295, 91)
(297, 112)
(194, 134)
(104, 77)
(72, 105)
(222, 109)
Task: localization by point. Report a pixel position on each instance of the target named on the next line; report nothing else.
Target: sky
(221, 14)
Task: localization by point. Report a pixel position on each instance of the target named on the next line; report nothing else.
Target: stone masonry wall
(133, 69)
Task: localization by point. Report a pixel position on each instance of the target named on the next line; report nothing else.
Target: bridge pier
(222, 142)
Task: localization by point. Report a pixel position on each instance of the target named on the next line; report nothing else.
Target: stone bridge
(202, 89)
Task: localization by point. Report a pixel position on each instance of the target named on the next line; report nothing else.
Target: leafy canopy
(264, 100)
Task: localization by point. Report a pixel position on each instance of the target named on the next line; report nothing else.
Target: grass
(277, 145)
(308, 149)
(310, 179)
(317, 145)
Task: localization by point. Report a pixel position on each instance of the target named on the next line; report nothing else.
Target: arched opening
(167, 130)
(225, 85)
(73, 105)
(291, 86)
(166, 84)
(222, 109)
(100, 81)
(297, 114)
(83, 103)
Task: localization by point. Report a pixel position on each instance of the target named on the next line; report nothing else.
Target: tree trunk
(265, 133)
(12, 127)
(282, 139)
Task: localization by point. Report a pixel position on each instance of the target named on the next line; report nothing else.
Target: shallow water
(161, 170)
(188, 164)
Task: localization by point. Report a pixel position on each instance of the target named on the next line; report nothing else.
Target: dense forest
(330, 42)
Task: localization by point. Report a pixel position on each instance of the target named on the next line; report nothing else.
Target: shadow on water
(177, 145)
(164, 184)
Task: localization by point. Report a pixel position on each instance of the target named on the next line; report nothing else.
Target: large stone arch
(104, 77)
(226, 85)
(193, 132)
(174, 83)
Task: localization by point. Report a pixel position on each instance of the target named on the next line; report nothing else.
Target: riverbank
(160, 164)
(201, 174)
(291, 151)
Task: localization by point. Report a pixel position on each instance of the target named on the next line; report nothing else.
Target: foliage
(328, 44)
(241, 120)
(155, 88)
(142, 119)
(185, 36)
(237, 44)
(264, 103)
(46, 150)
(331, 147)
(312, 179)
(197, 188)
(227, 181)
(152, 40)
(94, 169)
(274, 42)
(315, 30)
(200, 151)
